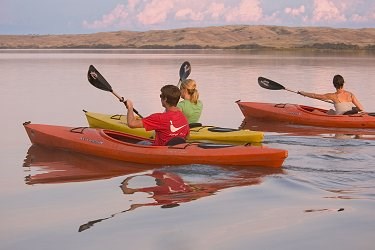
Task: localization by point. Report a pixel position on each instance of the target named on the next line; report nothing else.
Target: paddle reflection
(176, 185)
(303, 130)
(46, 165)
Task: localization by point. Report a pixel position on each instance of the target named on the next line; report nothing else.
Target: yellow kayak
(197, 133)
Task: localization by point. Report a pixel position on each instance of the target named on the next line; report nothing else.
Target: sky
(91, 16)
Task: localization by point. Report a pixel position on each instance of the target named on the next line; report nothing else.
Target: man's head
(171, 94)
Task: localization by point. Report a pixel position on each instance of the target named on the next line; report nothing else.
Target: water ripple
(316, 141)
(348, 183)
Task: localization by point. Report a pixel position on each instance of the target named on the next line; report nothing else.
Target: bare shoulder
(349, 95)
(330, 96)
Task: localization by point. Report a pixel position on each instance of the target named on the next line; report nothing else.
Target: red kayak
(304, 115)
(124, 147)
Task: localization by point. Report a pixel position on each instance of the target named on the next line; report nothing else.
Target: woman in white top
(343, 100)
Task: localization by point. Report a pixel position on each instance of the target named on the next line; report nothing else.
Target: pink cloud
(132, 4)
(325, 10)
(246, 11)
(358, 18)
(117, 14)
(295, 11)
(216, 10)
(189, 14)
(141, 14)
(155, 12)
(368, 16)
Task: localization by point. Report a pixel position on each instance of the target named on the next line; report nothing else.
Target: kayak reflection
(304, 130)
(46, 165)
(176, 185)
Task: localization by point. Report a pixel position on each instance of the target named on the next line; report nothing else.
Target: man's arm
(133, 122)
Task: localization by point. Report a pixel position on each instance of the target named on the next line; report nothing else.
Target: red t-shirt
(167, 125)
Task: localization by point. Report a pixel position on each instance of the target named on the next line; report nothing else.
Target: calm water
(322, 198)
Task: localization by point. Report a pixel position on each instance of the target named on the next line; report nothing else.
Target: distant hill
(222, 37)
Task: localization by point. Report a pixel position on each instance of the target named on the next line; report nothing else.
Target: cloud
(162, 14)
(358, 18)
(155, 12)
(117, 15)
(216, 10)
(326, 10)
(132, 4)
(189, 14)
(295, 11)
(367, 15)
(246, 11)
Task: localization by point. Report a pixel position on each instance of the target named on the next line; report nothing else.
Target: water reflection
(176, 185)
(45, 165)
(170, 186)
(302, 130)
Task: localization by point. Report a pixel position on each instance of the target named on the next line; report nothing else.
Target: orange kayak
(120, 146)
(304, 115)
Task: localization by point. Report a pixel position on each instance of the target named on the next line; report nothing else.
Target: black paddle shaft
(272, 85)
(97, 80)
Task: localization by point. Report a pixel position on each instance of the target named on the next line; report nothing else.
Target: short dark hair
(338, 81)
(172, 93)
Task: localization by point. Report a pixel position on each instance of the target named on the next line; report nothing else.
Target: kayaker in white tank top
(342, 100)
(342, 107)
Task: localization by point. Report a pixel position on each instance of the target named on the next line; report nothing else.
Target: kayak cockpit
(122, 137)
(314, 110)
(128, 138)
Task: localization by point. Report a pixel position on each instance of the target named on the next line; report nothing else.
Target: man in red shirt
(170, 124)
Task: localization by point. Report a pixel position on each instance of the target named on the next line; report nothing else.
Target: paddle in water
(97, 80)
(272, 85)
(185, 70)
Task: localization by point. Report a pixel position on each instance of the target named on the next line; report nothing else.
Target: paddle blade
(185, 70)
(269, 84)
(97, 80)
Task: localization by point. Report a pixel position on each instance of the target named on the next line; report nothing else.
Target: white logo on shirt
(174, 129)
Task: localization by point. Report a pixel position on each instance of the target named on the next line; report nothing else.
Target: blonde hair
(191, 86)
